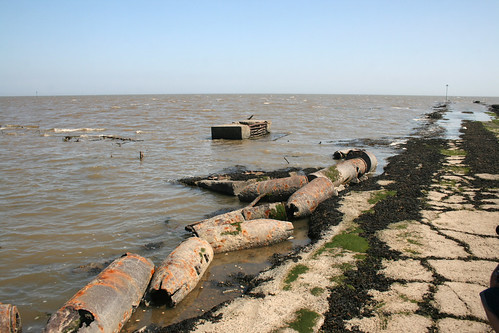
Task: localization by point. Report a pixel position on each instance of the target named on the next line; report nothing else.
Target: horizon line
(151, 94)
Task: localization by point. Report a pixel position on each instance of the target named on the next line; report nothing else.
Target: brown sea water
(73, 190)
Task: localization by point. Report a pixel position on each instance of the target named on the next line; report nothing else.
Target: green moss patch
(454, 152)
(459, 170)
(316, 291)
(294, 274)
(381, 195)
(305, 321)
(350, 241)
(332, 173)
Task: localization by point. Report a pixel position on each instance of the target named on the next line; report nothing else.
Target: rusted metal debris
(235, 216)
(356, 164)
(107, 302)
(10, 320)
(247, 234)
(181, 271)
(232, 187)
(272, 210)
(274, 189)
(304, 201)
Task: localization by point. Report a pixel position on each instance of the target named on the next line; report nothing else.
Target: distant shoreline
(438, 97)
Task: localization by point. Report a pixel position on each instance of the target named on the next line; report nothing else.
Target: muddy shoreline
(411, 176)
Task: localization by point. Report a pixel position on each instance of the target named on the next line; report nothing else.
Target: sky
(73, 47)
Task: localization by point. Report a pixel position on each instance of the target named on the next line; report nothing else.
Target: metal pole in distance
(446, 90)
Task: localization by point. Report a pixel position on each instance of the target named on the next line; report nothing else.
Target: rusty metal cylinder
(304, 201)
(232, 187)
(10, 320)
(181, 271)
(107, 302)
(235, 216)
(278, 189)
(342, 172)
(369, 158)
(269, 210)
(248, 234)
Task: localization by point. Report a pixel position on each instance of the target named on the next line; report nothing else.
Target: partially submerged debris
(274, 189)
(247, 234)
(10, 320)
(305, 201)
(181, 271)
(107, 302)
(247, 129)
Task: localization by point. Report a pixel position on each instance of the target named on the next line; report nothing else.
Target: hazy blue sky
(333, 47)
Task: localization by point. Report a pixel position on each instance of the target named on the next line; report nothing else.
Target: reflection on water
(74, 190)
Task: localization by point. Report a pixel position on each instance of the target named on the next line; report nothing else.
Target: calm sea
(74, 192)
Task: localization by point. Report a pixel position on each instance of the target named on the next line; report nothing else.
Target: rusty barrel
(278, 189)
(248, 234)
(107, 302)
(304, 201)
(10, 320)
(181, 271)
(235, 216)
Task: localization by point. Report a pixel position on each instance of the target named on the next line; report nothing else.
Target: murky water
(73, 190)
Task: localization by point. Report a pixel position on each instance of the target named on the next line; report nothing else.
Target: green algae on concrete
(350, 241)
(294, 274)
(305, 321)
(453, 152)
(381, 195)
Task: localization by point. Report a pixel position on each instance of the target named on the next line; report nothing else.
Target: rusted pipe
(275, 189)
(369, 159)
(248, 234)
(226, 186)
(235, 216)
(356, 165)
(272, 210)
(10, 320)
(304, 201)
(181, 271)
(107, 302)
